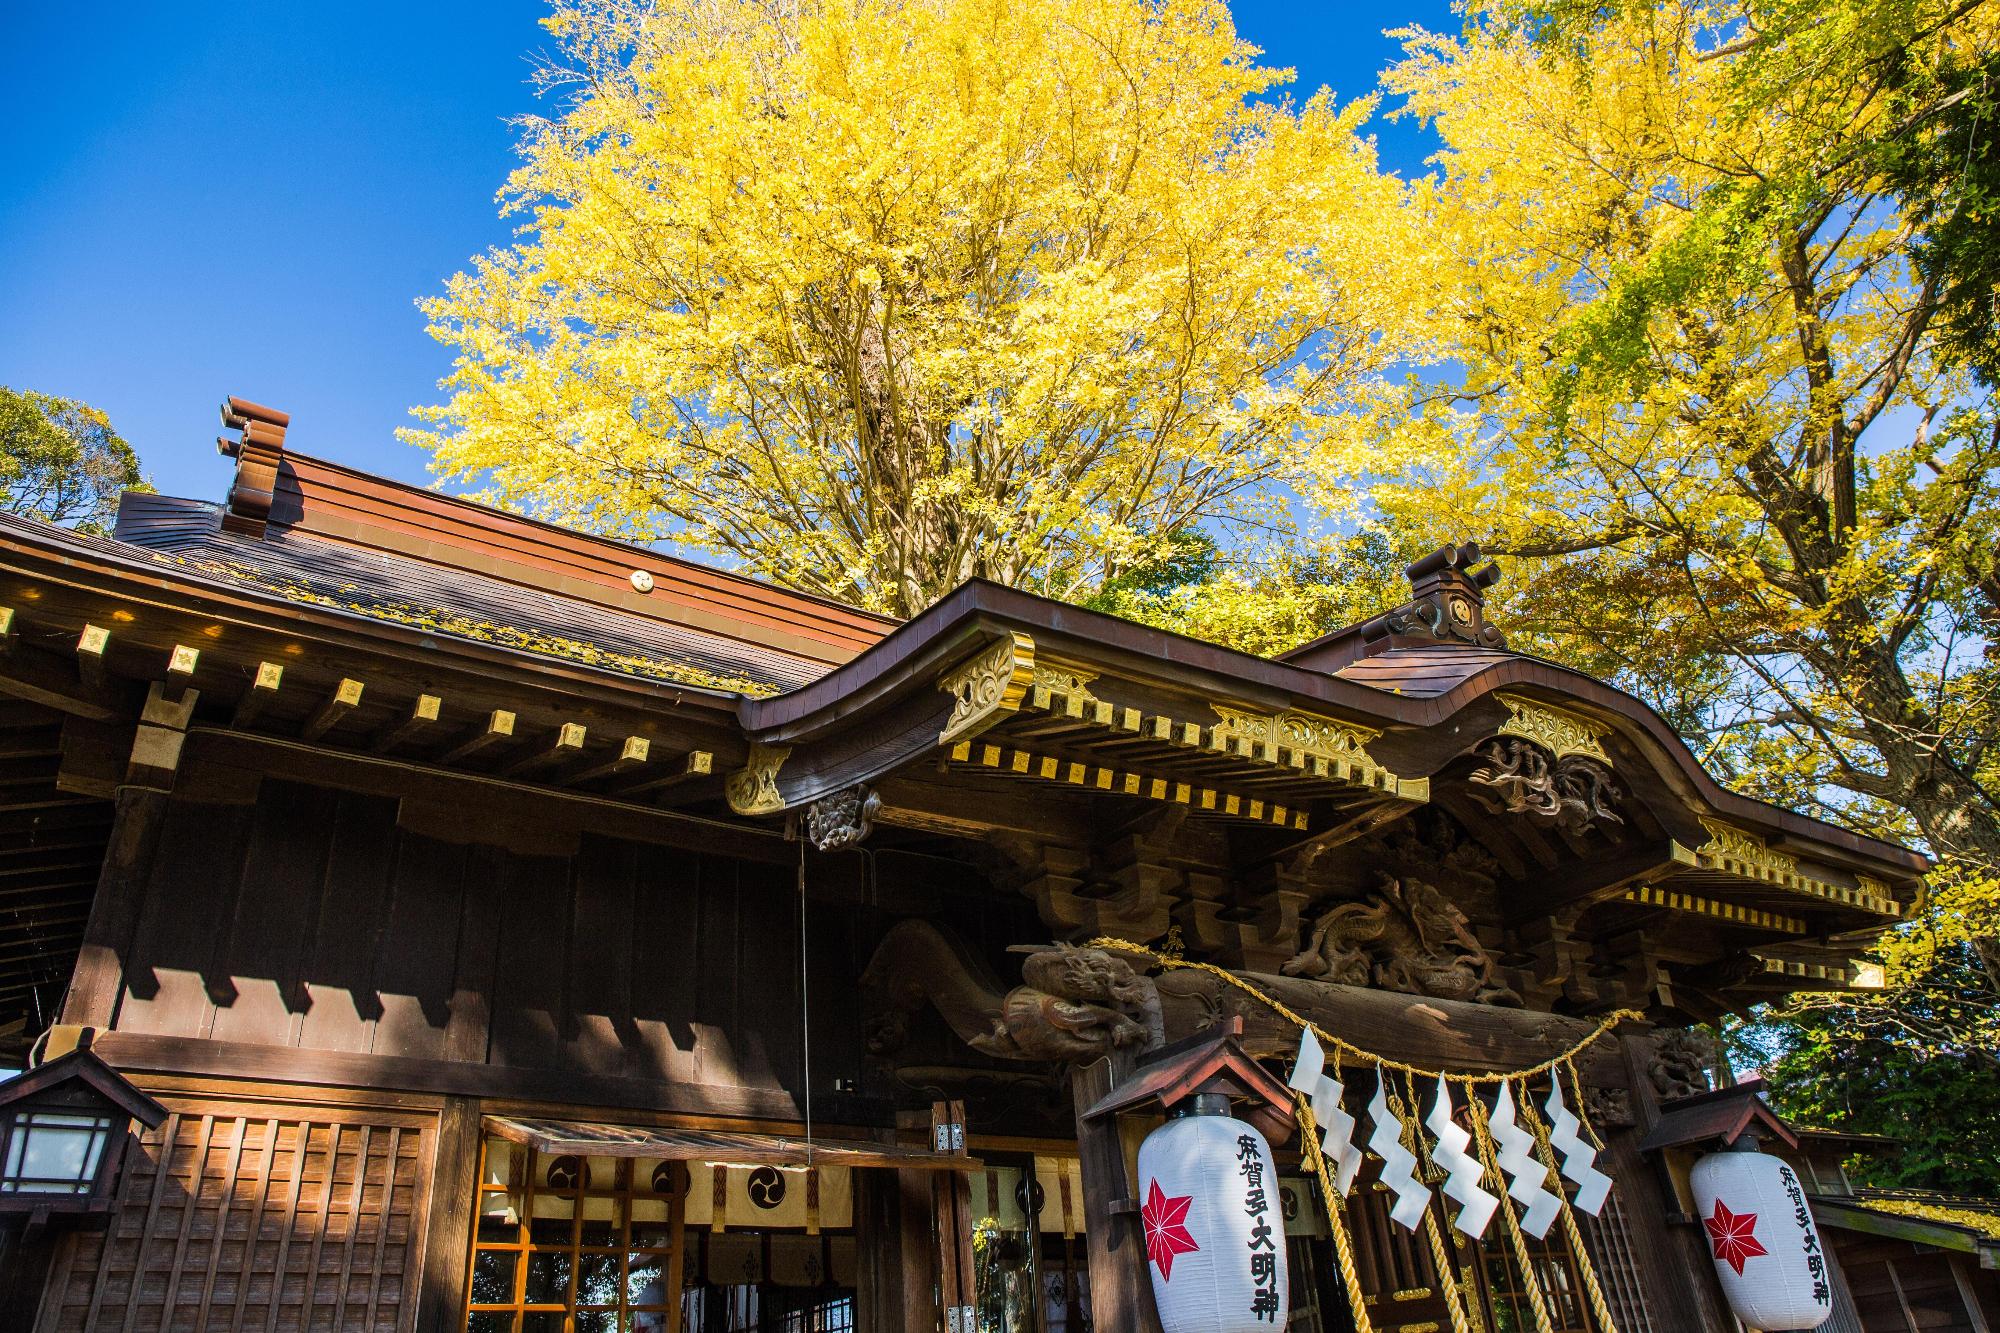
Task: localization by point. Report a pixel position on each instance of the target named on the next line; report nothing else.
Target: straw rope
(1336, 1215)
(1454, 1300)
(1591, 1287)
(1530, 1283)
(1278, 1007)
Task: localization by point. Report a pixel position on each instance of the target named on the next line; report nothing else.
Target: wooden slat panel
(189, 900)
(601, 957)
(665, 891)
(534, 953)
(227, 1220)
(413, 973)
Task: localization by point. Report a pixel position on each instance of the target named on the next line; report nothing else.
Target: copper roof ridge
(609, 544)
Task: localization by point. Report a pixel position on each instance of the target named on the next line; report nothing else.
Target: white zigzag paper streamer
(1336, 1125)
(1578, 1157)
(1475, 1205)
(1398, 1163)
(1527, 1176)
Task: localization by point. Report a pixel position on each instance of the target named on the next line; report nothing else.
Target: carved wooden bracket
(842, 819)
(1073, 1006)
(1518, 778)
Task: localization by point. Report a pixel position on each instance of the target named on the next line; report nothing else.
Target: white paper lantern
(1761, 1234)
(1214, 1224)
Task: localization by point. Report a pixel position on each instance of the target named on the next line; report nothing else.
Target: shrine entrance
(591, 1228)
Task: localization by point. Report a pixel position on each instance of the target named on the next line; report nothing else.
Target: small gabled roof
(1210, 1061)
(1720, 1117)
(85, 1068)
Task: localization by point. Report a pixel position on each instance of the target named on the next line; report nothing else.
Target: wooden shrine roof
(1424, 673)
(722, 1147)
(364, 625)
(301, 566)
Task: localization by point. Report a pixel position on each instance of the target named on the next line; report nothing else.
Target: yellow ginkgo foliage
(879, 296)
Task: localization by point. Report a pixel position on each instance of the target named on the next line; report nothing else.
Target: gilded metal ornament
(753, 789)
(1556, 730)
(991, 684)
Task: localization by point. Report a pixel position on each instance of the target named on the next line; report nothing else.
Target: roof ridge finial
(1448, 599)
(258, 453)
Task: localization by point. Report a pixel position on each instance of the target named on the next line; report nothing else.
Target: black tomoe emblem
(767, 1187)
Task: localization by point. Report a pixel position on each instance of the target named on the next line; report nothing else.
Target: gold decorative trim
(1322, 746)
(753, 789)
(1064, 687)
(1736, 913)
(991, 684)
(1202, 800)
(1732, 851)
(1806, 971)
(1556, 730)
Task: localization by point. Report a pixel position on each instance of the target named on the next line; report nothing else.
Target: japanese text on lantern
(1815, 1261)
(1263, 1254)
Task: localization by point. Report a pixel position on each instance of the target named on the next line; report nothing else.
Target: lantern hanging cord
(805, 1004)
(1290, 1015)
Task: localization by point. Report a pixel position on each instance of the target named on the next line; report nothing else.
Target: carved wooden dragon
(1404, 937)
(1076, 1004)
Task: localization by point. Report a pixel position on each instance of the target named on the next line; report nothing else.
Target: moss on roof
(1986, 1224)
(440, 620)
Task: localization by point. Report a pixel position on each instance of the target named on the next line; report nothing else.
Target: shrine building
(417, 918)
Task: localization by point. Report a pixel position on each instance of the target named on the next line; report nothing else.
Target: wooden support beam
(90, 648)
(568, 744)
(698, 764)
(99, 976)
(1417, 1029)
(337, 706)
(262, 692)
(1596, 881)
(42, 677)
(633, 754)
(1346, 828)
(499, 727)
(423, 714)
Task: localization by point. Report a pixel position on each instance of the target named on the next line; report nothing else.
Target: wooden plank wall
(311, 920)
(254, 1216)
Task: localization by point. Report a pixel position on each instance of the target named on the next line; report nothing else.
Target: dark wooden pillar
(447, 1227)
(1121, 1294)
(896, 1281)
(99, 978)
(141, 810)
(1680, 1289)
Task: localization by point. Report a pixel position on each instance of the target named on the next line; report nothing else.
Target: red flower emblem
(1166, 1229)
(1734, 1236)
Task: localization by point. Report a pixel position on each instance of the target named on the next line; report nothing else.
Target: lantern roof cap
(1724, 1115)
(83, 1067)
(1212, 1060)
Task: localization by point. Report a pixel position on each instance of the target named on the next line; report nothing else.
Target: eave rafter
(267, 685)
(1739, 855)
(1037, 716)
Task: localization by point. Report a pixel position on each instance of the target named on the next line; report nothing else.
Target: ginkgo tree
(876, 297)
(1695, 382)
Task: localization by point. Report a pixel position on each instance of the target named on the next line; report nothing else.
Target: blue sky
(249, 198)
